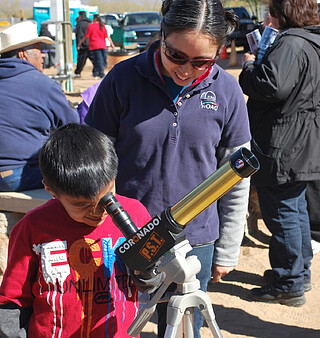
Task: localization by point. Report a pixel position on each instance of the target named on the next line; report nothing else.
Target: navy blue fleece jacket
(30, 105)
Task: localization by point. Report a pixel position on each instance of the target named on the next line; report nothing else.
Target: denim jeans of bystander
(284, 211)
(98, 62)
(25, 178)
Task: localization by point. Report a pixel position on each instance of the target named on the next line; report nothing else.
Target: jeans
(284, 211)
(105, 58)
(205, 256)
(312, 197)
(25, 178)
(83, 54)
(98, 62)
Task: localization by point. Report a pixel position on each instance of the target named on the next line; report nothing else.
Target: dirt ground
(236, 314)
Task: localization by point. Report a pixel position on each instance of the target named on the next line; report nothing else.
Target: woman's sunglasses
(179, 58)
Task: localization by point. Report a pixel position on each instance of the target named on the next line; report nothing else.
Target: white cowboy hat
(21, 35)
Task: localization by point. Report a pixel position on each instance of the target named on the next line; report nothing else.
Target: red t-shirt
(97, 37)
(70, 274)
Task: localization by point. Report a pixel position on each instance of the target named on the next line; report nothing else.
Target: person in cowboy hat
(31, 104)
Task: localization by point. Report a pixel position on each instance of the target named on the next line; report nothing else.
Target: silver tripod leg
(183, 329)
(180, 314)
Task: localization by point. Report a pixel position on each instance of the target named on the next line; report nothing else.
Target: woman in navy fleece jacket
(175, 117)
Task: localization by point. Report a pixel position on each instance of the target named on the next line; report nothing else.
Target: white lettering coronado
(139, 234)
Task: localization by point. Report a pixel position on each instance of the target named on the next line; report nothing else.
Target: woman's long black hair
(97, 16)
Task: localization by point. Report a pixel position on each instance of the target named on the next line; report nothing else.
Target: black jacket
(284, 109)
(81, 28)
(44, 31)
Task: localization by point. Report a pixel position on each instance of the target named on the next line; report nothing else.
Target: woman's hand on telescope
(219, 271)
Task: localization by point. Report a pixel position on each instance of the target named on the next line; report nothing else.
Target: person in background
(174, 123)
(46, 47)
(31, 104)
(110, 32)
(87, 97)
(97, 35)
(108, 43)
(63, 277)
(83, 52)
(284, 107)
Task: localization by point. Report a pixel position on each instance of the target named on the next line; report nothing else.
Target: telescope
(146, 245)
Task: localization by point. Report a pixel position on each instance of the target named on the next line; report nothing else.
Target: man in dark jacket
(46, 47)
(84, 52)
(31, 104)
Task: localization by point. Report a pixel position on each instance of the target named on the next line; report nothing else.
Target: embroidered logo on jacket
(208, 101)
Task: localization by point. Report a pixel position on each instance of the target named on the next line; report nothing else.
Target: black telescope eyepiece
(119, 216)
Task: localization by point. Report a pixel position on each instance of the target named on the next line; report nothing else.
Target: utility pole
(60, 14)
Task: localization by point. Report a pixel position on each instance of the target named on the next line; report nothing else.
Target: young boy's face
(85, 210)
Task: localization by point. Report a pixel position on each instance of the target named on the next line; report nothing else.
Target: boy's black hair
(78, 160)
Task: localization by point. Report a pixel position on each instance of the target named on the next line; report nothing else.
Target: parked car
(247, 25)
(133, 28)
(114, 20)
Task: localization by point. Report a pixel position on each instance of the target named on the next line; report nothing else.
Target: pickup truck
(133, 28)
(247, 25)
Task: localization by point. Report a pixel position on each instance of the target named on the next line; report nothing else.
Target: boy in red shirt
(64, 278)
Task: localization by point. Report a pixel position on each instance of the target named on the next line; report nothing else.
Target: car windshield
(142, 19)
(110, 20)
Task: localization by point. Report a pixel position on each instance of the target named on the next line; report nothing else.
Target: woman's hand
(248, 56)
(219, 271)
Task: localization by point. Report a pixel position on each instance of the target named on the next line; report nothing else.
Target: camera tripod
(181, 305)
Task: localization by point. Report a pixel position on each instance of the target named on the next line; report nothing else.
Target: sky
(29, 3)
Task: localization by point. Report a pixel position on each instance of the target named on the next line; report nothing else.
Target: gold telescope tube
(242, 164)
